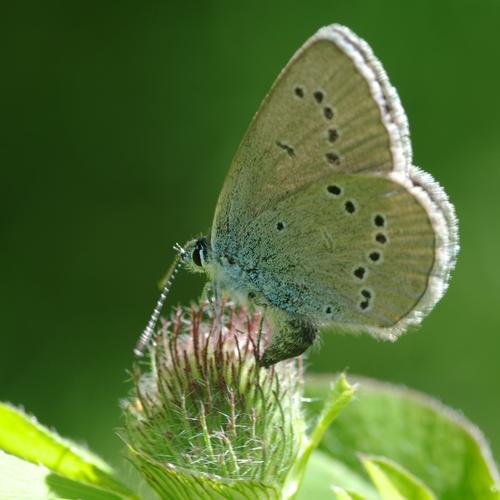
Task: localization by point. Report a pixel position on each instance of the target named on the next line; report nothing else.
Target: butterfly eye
(197, 257)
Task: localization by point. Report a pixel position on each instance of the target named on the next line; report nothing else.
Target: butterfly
(323, 219)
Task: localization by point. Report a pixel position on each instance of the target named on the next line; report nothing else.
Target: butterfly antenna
(148, 332)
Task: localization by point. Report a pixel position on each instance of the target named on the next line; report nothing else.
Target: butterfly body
(240, 277)
(323, 217)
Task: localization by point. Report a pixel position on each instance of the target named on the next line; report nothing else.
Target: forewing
(366, 252)
(332, 109)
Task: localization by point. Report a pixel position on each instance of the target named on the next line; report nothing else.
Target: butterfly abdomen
(292, 336)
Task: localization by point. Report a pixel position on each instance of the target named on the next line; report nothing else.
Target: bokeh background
(118, 124)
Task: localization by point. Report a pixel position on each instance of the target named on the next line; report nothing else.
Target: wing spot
(364, 304)
(332, 158)
(287, 148)
(328, 112)
(360, 272)
(318, 96)
(374, 256)
(349, 206)
(334, 189)
(280, 226)
(299, 92)
(381, 238)
(333, 134)
(328, 310)
(379, 220)
(367, 296)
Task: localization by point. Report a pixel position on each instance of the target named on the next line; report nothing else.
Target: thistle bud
(203, 418)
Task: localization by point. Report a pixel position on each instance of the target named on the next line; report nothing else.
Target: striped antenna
(148, 332)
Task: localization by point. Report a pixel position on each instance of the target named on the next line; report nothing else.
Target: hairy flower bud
(204, 418)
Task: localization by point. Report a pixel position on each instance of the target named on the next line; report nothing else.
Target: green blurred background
(119, 121)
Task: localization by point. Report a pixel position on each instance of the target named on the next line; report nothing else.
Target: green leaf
(432, 442)
(24, 437)
(325, 473)
(394, 482)
(21, 479)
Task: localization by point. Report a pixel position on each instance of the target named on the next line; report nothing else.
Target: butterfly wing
(332, 109)
(322, 206)
(364, 252)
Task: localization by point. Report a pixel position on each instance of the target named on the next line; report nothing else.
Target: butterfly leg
(217, 303)
(208, 294)
(292, 335)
